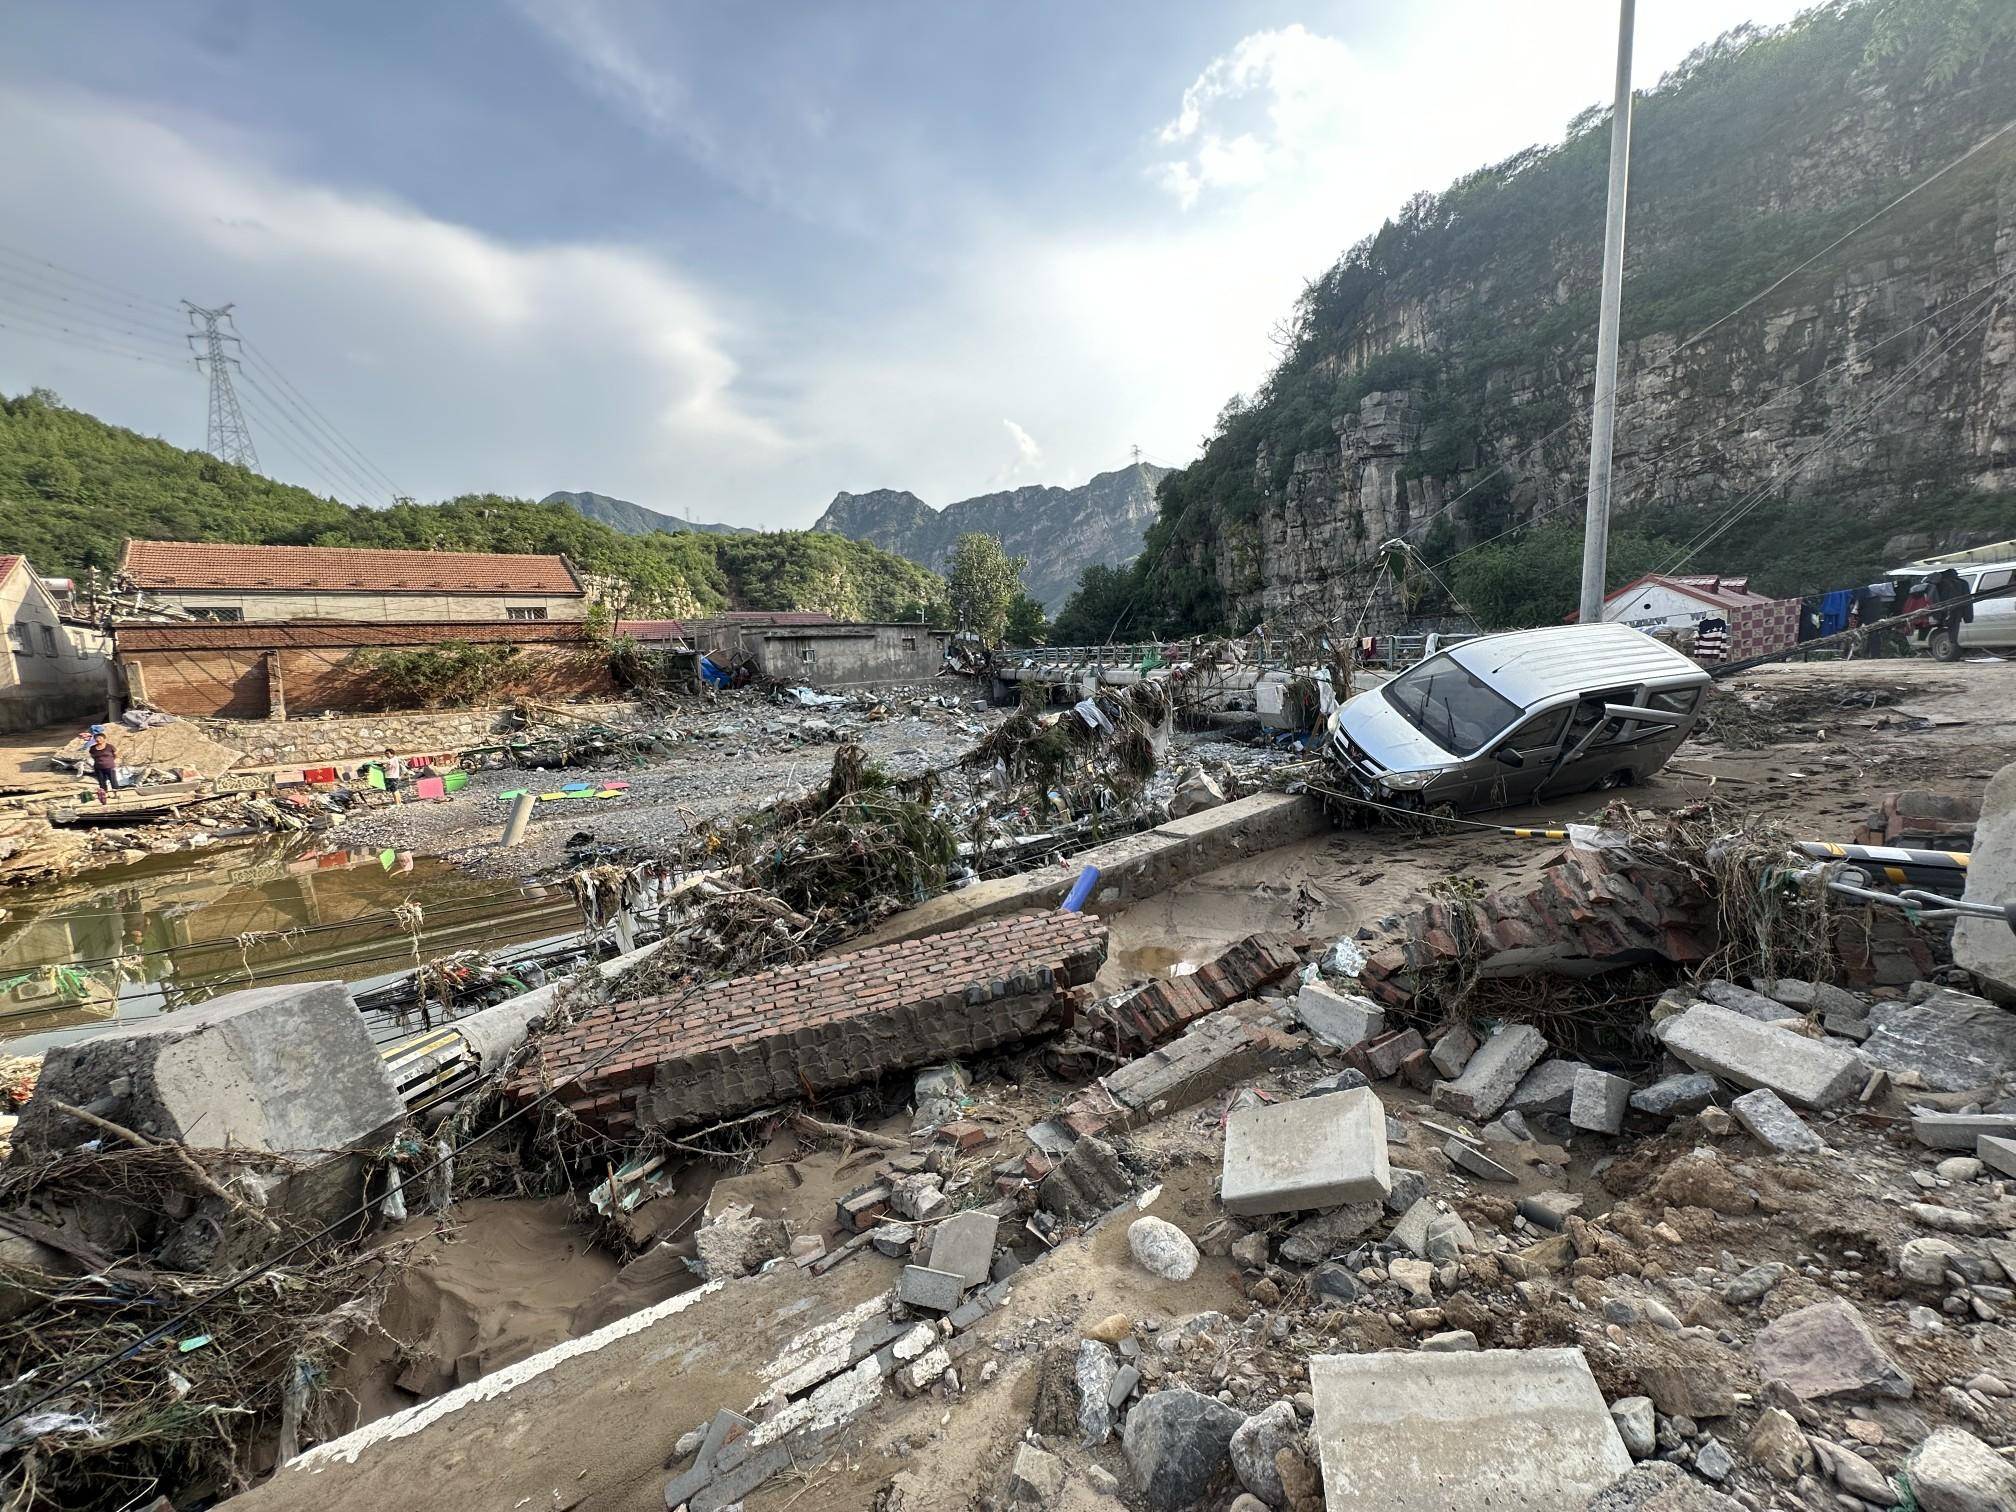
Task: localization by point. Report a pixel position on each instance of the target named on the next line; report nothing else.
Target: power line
(51, 297)
(309, 463)
(51, 329)
(146, 302)
(275, 414)
(227, 436)
(265, 364)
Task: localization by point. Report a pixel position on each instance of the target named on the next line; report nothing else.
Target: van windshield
(1451, 705)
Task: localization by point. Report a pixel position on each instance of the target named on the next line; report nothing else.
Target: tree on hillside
(983, 582)
(1027, 624)
(1535, 577)
(1089, 615)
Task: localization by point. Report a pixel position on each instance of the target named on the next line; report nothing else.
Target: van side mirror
(1508, 756)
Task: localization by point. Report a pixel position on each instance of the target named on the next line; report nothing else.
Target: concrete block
(1495, 1430)
(1959, 1131)
(1315, 1152)
(1548, 1088)
(1997, 1152)
(1987, 947)
(1338, 1018)
(1467, 1157)
(933, 1290)
(1673, 1096)
(271, 1068)
(1953, 1039)
(1453, 1050)
(1411, 1232)
(1774, 1125)
(964, 1245)
(1752, 1055)
(1599, 1102)
(1494, 1072)
(1752, 1005)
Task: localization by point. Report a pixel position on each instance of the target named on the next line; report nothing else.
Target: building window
(48, 640)
(23, 646)
(525, 612)
(219, 614)
(909, 643)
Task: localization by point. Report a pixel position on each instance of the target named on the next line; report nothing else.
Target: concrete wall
(1131, 868)
(254, 604)
(238, 684)
(49, 671)
(839, 656)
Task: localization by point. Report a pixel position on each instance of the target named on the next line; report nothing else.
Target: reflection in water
(175, 930)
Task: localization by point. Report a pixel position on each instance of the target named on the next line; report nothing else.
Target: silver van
(1508, 719)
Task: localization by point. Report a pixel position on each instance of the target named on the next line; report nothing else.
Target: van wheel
(1621, 778)
(1943, 646)
(1442, 811)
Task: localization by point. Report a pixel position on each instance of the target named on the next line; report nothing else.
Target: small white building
(1675, 607)
(50, 668)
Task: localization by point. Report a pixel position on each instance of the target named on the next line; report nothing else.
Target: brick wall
(232, 683)
(828, 1024)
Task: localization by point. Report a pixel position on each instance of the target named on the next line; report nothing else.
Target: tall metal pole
(1603, 419)
(230, 439)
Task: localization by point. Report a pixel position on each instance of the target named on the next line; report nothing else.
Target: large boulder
(1254, 1446)
(1987, 947)
(1953, 1471)
(1162, 1249)
(1177, 1442)
(1827, 1350)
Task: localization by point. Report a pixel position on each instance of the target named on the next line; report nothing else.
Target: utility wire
(265, 365)
(355, 481)
(334, 485)
(58, 303)
(30, 326)
(86, 279)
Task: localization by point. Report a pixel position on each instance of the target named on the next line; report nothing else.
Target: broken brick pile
(1166, 1007)
(1597, 907)
(1922, 819)
(831, 1023)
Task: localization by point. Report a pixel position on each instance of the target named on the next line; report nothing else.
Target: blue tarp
(1834, 610)
(714, 676)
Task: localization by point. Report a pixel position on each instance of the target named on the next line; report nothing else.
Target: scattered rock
(1176, 1441)
(1852, 1473)
(1093, 1375)
(1778, 1444)
(734, 1247)
(1254, 1446)
(1673, 1096)
(1037, 1478)
(1659, 1487)
(1925, 1261)
(1959, 1168)
(1162, 1249)
(1111, 1329)
(1827, 1350)
(1953, 1471)
(1634, 1418)
(1774, 1125)
(1713, 1461)
(1753, 1284)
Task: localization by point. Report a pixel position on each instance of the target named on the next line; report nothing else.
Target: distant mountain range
(634, 519)
(1061, 531)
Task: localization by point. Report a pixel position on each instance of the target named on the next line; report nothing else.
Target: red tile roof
(297, 634)
(342, 569)
(652, 630)
(7, 565)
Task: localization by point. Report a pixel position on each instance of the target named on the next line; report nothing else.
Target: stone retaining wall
(307, 741)
(823, 1025)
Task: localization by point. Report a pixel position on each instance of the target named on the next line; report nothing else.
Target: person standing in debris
(395, 775)
(104, 761)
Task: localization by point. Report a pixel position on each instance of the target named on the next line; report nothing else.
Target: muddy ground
(1816, 746)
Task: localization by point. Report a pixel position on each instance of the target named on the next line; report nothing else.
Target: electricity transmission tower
(230, 440)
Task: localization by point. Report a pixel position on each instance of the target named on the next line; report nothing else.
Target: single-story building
(269, 671)
(822, 652)
(654, 635)
(242, 584)
(1676, 606)
(51, 668)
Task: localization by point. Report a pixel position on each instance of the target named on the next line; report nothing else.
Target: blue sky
(726, 259)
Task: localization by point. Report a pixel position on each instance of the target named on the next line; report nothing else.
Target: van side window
(1989, 581)
(1676, 700)
(1540, 733)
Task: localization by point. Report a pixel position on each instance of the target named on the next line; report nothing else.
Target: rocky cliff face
(1861, 410)
(1060, 530)
(633, 519)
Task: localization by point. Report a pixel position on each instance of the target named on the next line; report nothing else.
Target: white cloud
(457, 361)
(1028, 459)
(1305, 83)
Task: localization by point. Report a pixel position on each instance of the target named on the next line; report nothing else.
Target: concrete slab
(1497, 1430)
(932, 1290)
(964, 1245)
(1999, 1153)
(1752, 1055)
(1959, 1131)
(1338, 1018)
(1494, 1072)
(1599, 1102)
(1750, 1004)
(1453, 1050)
(1953, 1039)
(1774, 1125)
(1548, 1088)
(1315, 1152)
(1987, 947)
(1467, 1157)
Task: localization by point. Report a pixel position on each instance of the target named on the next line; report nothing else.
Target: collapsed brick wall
(824, 1025)
(1594, 909)
(235, 684)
